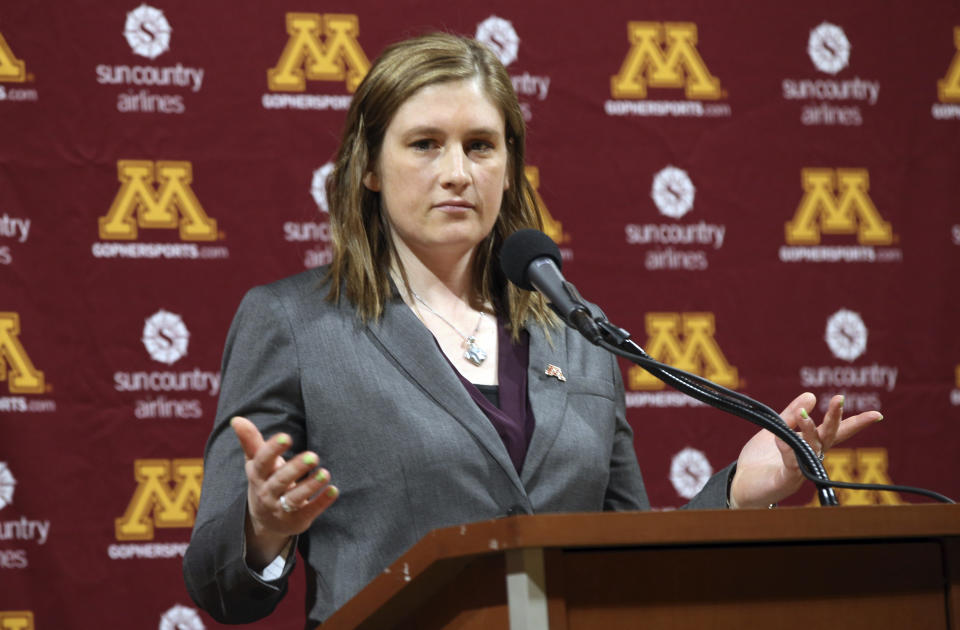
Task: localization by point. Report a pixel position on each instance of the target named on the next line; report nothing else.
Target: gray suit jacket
(406, 445)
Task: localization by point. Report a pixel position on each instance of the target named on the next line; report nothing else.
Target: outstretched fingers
(250, 439)
(827, 431)
(808, 429)
(289, 474)
(834, 428)
(313, 494)
(793, 412)
(269, 457)
(792, 415)
(854, 424)
(283, 496)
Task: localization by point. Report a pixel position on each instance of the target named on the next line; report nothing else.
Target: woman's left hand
(767, 470)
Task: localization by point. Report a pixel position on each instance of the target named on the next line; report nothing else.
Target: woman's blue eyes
(476, 145)
(423, 145)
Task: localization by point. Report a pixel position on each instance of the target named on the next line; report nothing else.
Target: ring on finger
(820, 455)
(285, 506)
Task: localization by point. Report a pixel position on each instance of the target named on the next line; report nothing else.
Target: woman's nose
(455, 169)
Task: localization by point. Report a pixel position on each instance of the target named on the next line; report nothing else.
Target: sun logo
(147, 31)
(7, 485)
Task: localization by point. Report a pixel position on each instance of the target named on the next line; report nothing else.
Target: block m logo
(16, 620)
(140, 202)
(551, 227)
(948, 88)
(15, 366)
(338, 57)
(686, 341)
(850, 211)
(664, 55)
(155, 503)
(11, 68)
(863, 465)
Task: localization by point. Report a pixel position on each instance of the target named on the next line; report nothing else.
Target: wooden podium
(841, 567)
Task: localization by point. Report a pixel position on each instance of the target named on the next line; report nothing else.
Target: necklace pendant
(474, 354)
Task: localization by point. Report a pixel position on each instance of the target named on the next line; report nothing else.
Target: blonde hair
(362, 250)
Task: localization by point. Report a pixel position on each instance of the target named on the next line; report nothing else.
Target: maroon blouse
(513, 419)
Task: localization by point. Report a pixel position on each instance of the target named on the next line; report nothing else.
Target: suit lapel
(415, 351)
(548, 394)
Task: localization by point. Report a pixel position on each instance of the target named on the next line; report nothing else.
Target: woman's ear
(371, 181)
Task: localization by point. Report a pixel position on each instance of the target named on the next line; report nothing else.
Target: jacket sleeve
(713, 495)
(260, 381)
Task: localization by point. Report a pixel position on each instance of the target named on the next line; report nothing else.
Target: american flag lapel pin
(556, 372)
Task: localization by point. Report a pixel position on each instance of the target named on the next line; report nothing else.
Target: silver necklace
(474, 353)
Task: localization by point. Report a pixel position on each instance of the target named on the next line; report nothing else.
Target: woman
(428, 388)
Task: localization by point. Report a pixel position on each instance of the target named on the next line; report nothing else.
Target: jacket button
(516, 510)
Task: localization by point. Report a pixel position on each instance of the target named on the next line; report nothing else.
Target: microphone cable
(753, 411)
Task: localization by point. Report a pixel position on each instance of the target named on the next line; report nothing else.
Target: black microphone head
(523, 247)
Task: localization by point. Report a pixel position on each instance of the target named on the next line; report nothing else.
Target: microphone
(531, 260)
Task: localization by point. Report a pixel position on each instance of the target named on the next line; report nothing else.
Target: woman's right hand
(269, 477)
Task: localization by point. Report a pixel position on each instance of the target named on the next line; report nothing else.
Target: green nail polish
(332, 492)
(804, 414)
(322, 476)
(283, 440)
(879, 419)
(310, 459)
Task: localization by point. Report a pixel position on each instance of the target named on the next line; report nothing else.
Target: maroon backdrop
(765, 196)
